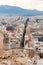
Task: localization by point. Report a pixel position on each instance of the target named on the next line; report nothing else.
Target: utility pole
(23, 37)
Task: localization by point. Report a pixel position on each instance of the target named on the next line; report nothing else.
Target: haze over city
(26, 4)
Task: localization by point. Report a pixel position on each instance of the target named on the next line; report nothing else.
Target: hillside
(14, 10)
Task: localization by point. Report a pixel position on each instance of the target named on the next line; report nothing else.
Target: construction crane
(23, 37)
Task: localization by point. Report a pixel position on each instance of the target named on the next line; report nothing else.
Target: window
(6, 40)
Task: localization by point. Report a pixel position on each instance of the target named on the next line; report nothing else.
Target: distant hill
(14, 10)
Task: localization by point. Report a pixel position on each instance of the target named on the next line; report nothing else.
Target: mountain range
(14, 10)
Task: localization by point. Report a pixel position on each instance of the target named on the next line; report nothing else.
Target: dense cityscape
(21, 40)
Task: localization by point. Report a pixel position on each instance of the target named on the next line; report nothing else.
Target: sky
(26, 4)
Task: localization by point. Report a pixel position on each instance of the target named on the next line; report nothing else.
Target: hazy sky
(27, 4)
